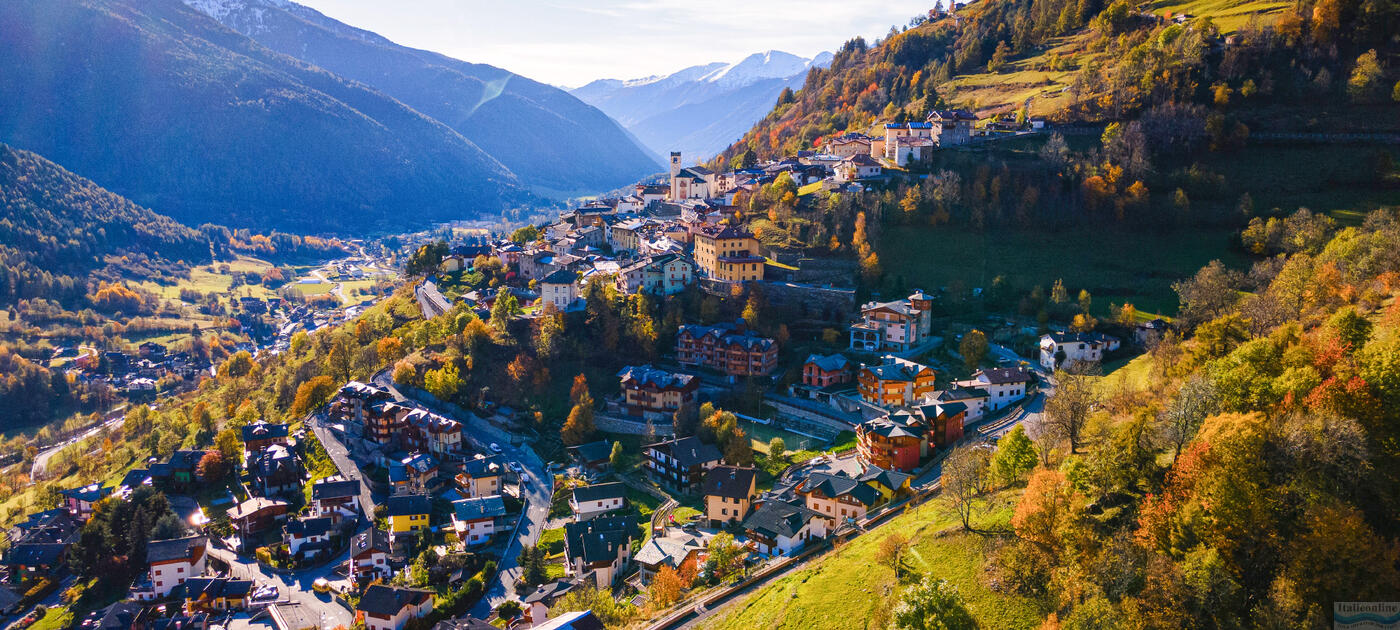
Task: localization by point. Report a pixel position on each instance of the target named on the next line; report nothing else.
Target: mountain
(162, 105)
(551, 140)
(702, 109)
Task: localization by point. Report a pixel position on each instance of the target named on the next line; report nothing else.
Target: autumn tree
(964, 479)
(443, 383)
(973, 349)
(666, 588)
(891, 552)
(212, 466)
(1196, 400)
(932, 604)
(312, 394)
(1067, 411)
(1015, 456)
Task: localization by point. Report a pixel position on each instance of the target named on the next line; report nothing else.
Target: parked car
(495, 448)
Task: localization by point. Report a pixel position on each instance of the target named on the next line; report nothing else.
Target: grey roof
(480, 508)
(335, 489)
(648, 375)
(835, 485)
(779, 518)
(688, 451)
(891, 479)
(264, 431)
(163, 550)
(579, 620)
(828, 363)
(217, 587)
(594, 451)
(35, 554)
(1002, 376)
(726, 335)
(550, 591)
(478, 467)
(308, 527)
(408, 504)
(370, 539)
(561, 276)
(90, 493)
(598, 540)
(730, 481)
(600, 492)
(389, 600)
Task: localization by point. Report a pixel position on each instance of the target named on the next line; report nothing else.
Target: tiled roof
(387, 601)
(1002, 376)
(163, 550)
(600, 492)
(264, 431)
(598, 540)
(335, 489)
(836, 486)
(730, 482)
(828, 363)
(776, 519)
(688, 451)
(404, 505)
(648, 375)
(479, 508)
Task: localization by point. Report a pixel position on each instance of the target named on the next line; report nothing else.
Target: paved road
(341, 456)
(538, 484)
(41, 460)
(295, 587)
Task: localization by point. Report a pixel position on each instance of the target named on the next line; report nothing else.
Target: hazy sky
(572, 42)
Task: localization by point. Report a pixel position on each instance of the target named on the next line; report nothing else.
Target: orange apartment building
(896, 382)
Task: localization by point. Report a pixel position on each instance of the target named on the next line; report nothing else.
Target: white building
(560, 289)
(1060, 349)
(174, 561)
(1003, 386)
(474, 520)
(590, 501)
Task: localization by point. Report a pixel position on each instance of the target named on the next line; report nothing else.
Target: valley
(1025, 314)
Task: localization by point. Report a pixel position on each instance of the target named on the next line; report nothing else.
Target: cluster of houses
(135, 374)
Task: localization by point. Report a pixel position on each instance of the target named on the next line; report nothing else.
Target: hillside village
(662, 408)
(349, 501)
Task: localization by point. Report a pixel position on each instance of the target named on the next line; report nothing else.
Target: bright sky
(572, 42)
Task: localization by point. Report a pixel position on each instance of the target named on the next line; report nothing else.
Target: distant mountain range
(157, 102)
(702, 109)
(549, 139)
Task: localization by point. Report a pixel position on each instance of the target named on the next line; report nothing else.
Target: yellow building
(728, 253)
(729, 492)
(408, 513)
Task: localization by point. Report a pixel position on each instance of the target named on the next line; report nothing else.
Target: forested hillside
(164, 106)
(1106, 61)
(56, 227)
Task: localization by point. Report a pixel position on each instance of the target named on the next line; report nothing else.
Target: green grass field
(1115, 266)
(847, 589)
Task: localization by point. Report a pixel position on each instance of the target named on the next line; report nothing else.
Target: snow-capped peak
(773, 64)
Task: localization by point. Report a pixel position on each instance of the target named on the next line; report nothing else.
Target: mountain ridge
(535, 130)
(699, 110)
(164, 106)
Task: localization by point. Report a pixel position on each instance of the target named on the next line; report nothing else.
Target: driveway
(294, 587)
(538, 486)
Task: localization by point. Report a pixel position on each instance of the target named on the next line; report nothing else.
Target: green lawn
(552, 540)
(846, 588)
(1115, 266)
(1132, 375)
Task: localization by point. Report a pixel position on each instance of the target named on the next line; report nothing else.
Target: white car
(495, 448)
